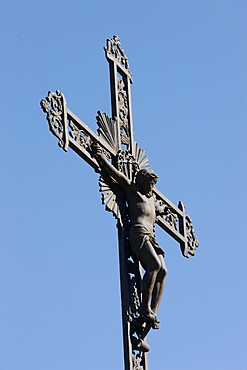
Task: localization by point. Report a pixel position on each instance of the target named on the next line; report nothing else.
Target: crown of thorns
(145, 173)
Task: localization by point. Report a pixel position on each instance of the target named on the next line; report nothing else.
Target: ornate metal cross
(116, 138)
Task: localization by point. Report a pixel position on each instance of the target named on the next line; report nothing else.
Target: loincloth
(138, 236)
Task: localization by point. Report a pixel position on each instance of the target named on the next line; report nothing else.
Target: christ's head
(145, 180)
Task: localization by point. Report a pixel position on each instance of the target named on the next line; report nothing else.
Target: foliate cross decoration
(128, 190)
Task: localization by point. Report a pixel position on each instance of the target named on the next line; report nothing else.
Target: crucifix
(128, 190)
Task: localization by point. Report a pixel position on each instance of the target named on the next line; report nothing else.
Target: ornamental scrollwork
(170, 215)
(54, 107)
(124, 138)
(123, 112)
(137, 362)
(79, 136)
(172, 219)
(192, 241)
(135, 296)
(113, 47)
(135, 301)
(123, 105)
(127, 164)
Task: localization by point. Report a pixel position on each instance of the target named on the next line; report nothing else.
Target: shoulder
(133, 187)
(132, 191)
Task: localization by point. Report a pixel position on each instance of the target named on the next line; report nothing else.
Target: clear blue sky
(60, 302)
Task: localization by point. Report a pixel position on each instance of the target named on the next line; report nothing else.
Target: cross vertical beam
(120, 80)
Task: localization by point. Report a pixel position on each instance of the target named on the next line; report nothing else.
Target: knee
(163, 271)
(160, 268)
(156, 266)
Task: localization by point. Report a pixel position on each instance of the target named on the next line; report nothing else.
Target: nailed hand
(96, 149)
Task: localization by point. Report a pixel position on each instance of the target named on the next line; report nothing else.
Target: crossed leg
(159, 285)
(153, 279)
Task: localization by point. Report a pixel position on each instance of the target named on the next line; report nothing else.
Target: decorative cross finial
(113, 50)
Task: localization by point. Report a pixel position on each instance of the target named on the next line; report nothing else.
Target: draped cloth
(138, 236)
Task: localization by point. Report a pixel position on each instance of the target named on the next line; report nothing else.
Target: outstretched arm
(121, 179)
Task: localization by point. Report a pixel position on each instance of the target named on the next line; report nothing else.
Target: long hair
(145, 173)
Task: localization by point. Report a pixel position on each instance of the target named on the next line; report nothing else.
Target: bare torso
(141, 208)
(142, 211)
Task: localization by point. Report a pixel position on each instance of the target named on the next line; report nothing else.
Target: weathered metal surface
(115, 137)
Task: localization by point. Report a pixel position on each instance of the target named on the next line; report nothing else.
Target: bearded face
(146, 180)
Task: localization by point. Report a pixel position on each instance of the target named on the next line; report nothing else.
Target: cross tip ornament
(54, 105)
(115, 53)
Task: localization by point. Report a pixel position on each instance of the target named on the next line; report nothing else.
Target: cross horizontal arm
(74, 133)
(81, 137)
(178, 225)
(71, 131)
(170, 222)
